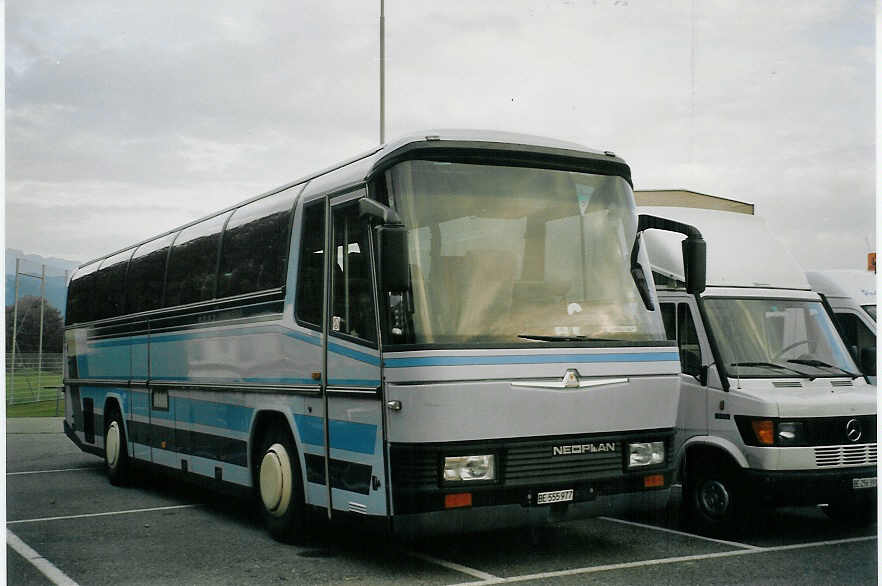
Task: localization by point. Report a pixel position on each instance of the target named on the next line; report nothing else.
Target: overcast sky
(124, 119)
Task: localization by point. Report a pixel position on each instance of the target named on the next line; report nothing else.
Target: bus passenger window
(352, 291)
(311, 274)
(254, 251)
(146, 275)
(81, 296)
(192, 264)
(690, 351)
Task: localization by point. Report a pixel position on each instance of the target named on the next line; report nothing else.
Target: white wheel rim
(111, 444)
(275, 480)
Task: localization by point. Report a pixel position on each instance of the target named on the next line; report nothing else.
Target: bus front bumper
(470, 519)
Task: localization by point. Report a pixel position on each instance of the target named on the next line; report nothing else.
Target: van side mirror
(868, 361)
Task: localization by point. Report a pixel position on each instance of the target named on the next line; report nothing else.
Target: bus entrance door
(354, 414)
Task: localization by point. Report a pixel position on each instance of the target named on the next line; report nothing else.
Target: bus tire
(714, 496)
(116, 453)
(280, 486)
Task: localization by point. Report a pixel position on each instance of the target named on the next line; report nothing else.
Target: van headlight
(645, 454)
(468, 468)
(790, 433)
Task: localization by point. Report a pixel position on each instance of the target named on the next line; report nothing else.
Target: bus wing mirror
(694, 249)
(394, 267)
(695, 264)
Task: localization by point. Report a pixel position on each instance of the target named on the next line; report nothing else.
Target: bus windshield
(777, 338)
(513, 255)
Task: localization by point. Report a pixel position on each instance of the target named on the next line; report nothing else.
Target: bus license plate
(555, 496)
(863, 482)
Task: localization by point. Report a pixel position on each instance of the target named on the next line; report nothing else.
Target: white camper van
(773, 409)
(852, 296)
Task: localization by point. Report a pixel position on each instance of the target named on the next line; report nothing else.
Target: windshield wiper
(821, 364)
(773, 365)
(566, 338)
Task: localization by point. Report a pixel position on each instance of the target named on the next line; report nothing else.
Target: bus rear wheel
(280, 486)
(116, 454)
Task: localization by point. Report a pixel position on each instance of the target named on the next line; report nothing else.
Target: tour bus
(480, 349)
(773, 410)
(852, 296)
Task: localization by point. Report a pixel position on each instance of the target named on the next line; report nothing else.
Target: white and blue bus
(481, 348)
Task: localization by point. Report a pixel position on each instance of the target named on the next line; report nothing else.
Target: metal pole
(40, 349)
(14, 333)
(382, 73)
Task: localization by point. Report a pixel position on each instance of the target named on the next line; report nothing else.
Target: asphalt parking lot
(67, 525)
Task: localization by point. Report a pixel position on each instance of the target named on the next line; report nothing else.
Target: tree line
(28, 328)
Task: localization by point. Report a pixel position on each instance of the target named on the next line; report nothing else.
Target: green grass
(41, 409)
(29, 387)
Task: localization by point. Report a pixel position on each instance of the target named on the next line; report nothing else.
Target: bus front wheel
(116, 454)
(280, 486)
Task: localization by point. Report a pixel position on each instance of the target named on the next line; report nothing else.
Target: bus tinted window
(311, 278)
(146, 274)
(254, 251)
(192, 265)
(81, 295)
(110, 285)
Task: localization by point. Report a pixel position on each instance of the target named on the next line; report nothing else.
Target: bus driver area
(65, 527)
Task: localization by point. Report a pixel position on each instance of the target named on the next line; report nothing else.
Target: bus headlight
(645, 454)
(466, 468)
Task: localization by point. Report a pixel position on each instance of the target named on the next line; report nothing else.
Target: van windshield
(515, 254)
(777, 338)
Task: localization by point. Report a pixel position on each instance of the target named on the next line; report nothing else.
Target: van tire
(714, 497)
(116, 453)
(279, 486)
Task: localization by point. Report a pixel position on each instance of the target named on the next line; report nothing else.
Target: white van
(852, 296)
(773, 409)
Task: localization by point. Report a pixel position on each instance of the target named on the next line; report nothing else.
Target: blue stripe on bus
(360, 356)
(529, 359)
(345, 435)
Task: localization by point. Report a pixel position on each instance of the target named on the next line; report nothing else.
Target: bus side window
(146, 275)
(352, 298)
(81, 297)
(667, 313)
(254, 249)
(311, 275)
(690, 350)
(110, 285)
(192, 264)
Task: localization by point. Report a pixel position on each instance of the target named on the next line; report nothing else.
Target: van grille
(838, 456)
(841, 383)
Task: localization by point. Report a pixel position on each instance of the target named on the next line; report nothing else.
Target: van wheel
(116, 453)
(713, 498)
(280, 486)
(853, 511)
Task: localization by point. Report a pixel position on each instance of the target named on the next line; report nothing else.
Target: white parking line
(45, 567)
(662, 561)
(51, 471)
(683, 533)
(20, 521)
(484, 576)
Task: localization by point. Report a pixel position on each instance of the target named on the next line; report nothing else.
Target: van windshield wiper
(566, 338)
(773, 365)
(821, 364)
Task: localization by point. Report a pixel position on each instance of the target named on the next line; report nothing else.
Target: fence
(28, 384)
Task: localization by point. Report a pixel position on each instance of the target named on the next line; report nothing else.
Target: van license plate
(863, 482)
(556, 496)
